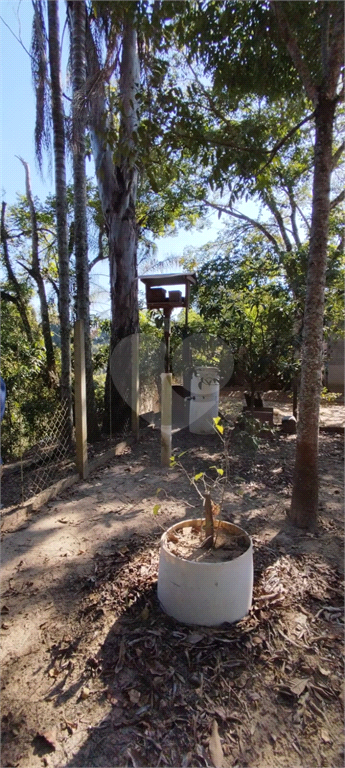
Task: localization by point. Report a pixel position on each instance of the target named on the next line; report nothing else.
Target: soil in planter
(187, 543)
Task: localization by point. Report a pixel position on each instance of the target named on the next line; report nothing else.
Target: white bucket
(204, 401)
(205, 593)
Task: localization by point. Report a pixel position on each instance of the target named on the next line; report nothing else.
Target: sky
(17, 139)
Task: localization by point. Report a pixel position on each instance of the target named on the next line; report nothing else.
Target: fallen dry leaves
(262, 692)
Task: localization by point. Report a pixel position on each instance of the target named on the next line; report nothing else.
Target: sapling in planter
(208, 487)
(206, 564)
(213, 541)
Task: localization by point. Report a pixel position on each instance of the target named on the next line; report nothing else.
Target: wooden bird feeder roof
(156, 296)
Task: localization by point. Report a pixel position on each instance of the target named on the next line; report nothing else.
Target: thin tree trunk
(304, 503)
(36, 274)
(61, 208)
(78, 12)
(12, 278)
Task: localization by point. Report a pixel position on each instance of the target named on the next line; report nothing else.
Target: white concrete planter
(204, 401)
(205, 593)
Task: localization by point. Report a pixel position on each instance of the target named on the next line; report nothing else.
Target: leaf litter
(161, 693)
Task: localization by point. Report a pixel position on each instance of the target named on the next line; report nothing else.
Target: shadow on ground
(112, 681)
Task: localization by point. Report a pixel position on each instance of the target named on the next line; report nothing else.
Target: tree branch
(285, 138)
(293, 206)
(325, 37)
(205, 139)
(243, 217)
(11, 276)
(337, 200)
(271, 204)
(96, 260)
(336, 52)
(337, 155)
(8, 297)
(101, 256)
(213, 108)
(294, 50)
(304, 218)
(17, 38)
(53, 283)
(26, 268)
(37, 276)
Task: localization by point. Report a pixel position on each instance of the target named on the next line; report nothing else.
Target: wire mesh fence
(52, 457)
(36, 446)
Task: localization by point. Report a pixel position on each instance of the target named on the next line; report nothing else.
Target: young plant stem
(209, 528)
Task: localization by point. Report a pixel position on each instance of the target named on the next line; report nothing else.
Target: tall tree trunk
(78, 17)
(61, 207)
(304, 501)
(36, 274)
(118, 189)
(12, 278)
(123, 238)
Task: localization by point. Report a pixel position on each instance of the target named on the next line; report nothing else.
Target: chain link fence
(36, 446)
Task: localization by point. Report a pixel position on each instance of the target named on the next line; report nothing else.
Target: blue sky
(17, 137)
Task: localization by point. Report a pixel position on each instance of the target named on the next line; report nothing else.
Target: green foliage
(243, 298)
(329, 397)
(247, 433)
(30, 403)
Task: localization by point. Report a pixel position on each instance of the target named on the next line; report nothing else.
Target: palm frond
(40, 78)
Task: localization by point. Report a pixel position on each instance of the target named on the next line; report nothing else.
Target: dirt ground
(94, 674)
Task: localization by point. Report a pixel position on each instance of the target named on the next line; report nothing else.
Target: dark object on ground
(258, 402)
(289, 425)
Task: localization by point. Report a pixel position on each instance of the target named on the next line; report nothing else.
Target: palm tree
(77, 17)
(49, 104)
(61, 206)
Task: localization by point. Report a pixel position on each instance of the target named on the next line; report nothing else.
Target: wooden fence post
(135, 385)
(80, 399)
(166, 395)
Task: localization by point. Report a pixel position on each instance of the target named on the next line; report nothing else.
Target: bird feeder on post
(158, 298)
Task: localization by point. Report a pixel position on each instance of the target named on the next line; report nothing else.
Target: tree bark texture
(304, 503)
(117, 185)
(61, 208)
(36, 274)
(78, 16)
